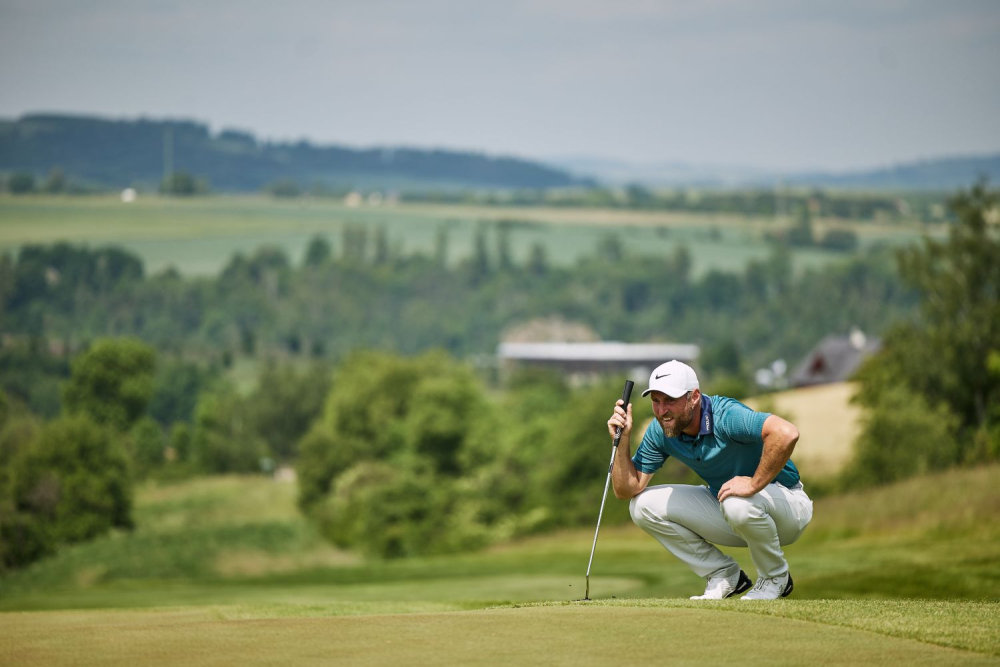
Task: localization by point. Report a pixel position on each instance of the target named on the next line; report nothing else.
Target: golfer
(753, 496)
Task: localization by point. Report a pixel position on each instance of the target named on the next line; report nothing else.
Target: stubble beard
(680, 422)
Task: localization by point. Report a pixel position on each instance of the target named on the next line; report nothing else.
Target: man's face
(674, 414)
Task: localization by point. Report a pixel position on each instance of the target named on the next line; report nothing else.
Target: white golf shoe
(719, 588)
(771, 589)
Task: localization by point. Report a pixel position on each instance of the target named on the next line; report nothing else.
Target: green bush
(393, 511)
(383, 407)
(23, 538)
(902, 435)
(73, 480)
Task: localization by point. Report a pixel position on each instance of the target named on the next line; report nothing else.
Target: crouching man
(754, 498)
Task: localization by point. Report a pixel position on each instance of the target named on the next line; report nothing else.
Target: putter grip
(626, 395)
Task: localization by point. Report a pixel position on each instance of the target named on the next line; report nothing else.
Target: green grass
(573, 634)
(224, 570)
(198, 236)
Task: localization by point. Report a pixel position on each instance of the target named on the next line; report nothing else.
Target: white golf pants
(689, 521)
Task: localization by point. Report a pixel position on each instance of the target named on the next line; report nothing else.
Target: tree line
(360, 292)
(750, 202)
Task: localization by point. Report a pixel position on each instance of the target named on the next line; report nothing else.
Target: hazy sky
(773, 83)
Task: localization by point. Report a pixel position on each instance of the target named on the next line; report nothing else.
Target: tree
(285, 404)
(402, 412)
(959, 284)
(354, 243)
(21, 183)
(441, 246)
(285, 188)
(318, 251)
(183, 184)
(479, 264)
(148, 446)
(74, 480)
(177, 385)
(224, 439)
(538, 260)
(505, 260)
(801, 233)
(112, 382)
(937, 372)
(381, 246)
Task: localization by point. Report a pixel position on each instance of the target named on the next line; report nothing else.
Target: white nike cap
(673, 378)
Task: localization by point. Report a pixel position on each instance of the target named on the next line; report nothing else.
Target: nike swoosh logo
(663, 376)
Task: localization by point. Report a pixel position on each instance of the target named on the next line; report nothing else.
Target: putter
(626, 395)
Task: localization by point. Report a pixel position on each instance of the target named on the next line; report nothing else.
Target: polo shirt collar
(707, 420)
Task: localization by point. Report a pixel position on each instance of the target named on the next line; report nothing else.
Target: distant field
(198, 236)
(224, 571)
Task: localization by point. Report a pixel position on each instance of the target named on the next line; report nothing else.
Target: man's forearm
(624, 476)
(777, 450)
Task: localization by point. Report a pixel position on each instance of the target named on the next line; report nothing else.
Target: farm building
(834, 359)
(584, 361)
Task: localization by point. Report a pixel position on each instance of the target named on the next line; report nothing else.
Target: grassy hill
(224, 571)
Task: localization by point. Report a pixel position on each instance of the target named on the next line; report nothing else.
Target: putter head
(586, 596)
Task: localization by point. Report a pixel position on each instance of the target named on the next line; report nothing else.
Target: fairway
(198, 236)
(574, 634)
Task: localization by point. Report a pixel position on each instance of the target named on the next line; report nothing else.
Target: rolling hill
(108, 153)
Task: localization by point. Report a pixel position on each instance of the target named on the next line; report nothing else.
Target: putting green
(574, 634)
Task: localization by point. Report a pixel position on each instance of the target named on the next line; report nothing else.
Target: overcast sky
(773, 83)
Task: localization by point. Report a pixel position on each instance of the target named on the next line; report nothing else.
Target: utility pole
(168, 157)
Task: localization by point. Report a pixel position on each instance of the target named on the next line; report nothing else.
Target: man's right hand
(621, 417)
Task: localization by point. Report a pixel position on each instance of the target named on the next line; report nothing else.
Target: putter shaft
(626, 395)
(607, 483)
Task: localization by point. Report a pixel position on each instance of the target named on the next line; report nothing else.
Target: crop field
(198, 236)
(225, 571)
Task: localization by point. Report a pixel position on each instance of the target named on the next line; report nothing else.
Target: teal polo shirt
(729, 444)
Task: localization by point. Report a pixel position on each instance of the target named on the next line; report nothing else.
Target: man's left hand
(737, 486)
